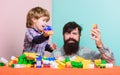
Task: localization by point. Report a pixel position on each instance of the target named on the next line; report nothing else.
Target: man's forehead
(75, 30)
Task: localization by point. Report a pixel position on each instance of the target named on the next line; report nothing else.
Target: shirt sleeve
(47, 48)
(106, 54)
(33, 36)
(39, 39)
(29, 35)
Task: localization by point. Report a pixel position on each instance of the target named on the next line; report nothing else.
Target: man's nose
(71, 35)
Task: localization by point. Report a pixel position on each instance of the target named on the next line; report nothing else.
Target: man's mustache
(70, 39)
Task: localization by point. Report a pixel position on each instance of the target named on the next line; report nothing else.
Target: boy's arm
(39, 39)
(47, 48)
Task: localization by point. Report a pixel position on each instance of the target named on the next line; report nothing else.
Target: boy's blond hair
(36, 13)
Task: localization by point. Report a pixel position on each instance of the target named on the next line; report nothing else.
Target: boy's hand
(53, 46)
(48, 33)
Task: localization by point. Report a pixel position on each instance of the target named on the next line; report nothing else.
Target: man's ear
(80, 36)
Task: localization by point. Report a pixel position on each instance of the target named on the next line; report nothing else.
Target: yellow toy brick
(10, 63)
(31, 55)
(29, 65)
(68, 65)
(86, 64)
(60, 64)
(79, 59)
(97, 61)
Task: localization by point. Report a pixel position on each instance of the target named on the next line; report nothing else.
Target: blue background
(106, 13)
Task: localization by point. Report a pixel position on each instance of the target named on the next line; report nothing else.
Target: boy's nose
(44, 25)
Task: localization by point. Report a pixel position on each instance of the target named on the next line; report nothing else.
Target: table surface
(66, 71)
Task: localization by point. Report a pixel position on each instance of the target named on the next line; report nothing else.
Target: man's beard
(71, 48)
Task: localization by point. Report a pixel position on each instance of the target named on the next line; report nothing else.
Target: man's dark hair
(70, 26)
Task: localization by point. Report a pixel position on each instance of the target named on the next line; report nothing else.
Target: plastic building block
(95, 26)
(2, 64)
(31, 55)
(76, 64)
(67, 59)
(35, 60)
(103, 61)
(68, 65)
(19, 66)
(86, 64)
(48, 29)
(97, 61)
(12, 65)
(109, 65)
(60, 64)
(39, 62)
(14, 59)
(102, 65)
(91, 66)
(79, 59)
(54, 65)
(4, 60)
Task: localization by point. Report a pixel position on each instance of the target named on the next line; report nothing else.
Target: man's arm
(106, 54)
(104, 51)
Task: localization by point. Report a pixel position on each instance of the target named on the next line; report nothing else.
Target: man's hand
(95, 35)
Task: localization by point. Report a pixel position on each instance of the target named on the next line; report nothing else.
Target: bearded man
(72, 34)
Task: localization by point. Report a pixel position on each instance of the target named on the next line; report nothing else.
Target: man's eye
(67, 33)
(75, 33)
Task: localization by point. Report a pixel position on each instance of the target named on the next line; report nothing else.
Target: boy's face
(40, 23)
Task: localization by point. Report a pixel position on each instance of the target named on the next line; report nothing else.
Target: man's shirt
(104, 53)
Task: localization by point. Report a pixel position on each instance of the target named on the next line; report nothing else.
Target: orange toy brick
(95, 26)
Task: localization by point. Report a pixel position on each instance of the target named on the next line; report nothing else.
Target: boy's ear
(34, 20)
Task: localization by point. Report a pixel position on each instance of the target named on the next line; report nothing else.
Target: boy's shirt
(29, 46)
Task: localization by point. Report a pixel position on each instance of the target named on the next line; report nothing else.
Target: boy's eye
(45, 20)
